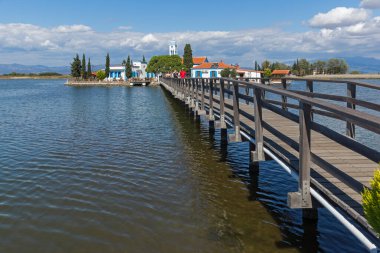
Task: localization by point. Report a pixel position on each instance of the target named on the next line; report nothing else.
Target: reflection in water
(126, 170)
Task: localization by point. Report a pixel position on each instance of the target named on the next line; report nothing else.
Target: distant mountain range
(26, 69)
(362, 64)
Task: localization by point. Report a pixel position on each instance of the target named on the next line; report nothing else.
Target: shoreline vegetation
(84, 83)
(344, 76)
(43, 75)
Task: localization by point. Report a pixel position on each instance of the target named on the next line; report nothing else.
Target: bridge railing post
(221, 123)
(188, 92)
(192, 94)
(235, 137)
(183, 89)
(196, 96)
(211, 116)
(351, 94)
(310, 88)
(203, 95)
(284, 98)
(258, 154)
(200, 106)
(247, 91)
(229, 89)
(302, 198)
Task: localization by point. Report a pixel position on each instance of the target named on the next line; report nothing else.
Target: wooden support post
(203, 95)
(351, 93)
(188, 93)
(235, 137)
(192, 100)
(183, 90)
(247, 92)
(258, 155)
(221, 124)
(310, 88)
(211, 116)
(284, 98)
(229, 89)
(302, 198)
(201, 104)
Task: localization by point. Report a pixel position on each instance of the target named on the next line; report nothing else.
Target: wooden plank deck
(337, 172)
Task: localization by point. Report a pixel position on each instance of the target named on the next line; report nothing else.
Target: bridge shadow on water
(265, 188)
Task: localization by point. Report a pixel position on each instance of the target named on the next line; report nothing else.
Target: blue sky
(50, 32)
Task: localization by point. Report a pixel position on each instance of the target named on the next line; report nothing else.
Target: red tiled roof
(199, 60)
(214, 65)
(281, 72)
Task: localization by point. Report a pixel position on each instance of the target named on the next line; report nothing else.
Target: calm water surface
(125, 170)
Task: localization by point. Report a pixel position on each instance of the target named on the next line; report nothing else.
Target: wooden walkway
(336, 165)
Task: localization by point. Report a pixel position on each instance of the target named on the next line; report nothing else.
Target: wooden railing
(195, 91)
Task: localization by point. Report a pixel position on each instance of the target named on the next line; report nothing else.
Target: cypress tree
(107, 70)
(89, 71)
(143, 61)
(188, 58)
(83, 68)
(128, 68)
(76, 67)
(256, 66)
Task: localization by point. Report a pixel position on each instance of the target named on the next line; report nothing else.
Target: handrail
(362, 119)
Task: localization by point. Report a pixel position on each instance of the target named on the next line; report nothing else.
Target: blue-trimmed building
(138, 71)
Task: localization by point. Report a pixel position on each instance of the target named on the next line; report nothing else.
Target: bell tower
(173, 48)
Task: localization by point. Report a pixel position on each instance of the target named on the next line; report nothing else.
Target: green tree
(267, 72)
(107, 70)
(337, 66)
(83, 72)
(279, 65)
(265, 64)
(304, 67)
(89, 71)
(228, 73)
(76, 67)
(188, 57)
(319, 67)
(128, 68)
(256, 66)
(371, 202)
(143, 60)
(164, 64)
(101, 75)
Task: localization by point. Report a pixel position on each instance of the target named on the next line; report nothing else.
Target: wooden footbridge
(333, 166)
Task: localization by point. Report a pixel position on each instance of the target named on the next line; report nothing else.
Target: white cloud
(370, 4)
(339, 17)
(71, 28)
(30, 44)
(149, 38)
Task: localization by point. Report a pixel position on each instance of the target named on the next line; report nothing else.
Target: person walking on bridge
(182, 74)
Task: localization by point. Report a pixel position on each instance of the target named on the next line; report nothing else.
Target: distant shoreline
(344, 76)
(32, 77)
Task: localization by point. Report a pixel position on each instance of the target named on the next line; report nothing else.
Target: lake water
(126, 170)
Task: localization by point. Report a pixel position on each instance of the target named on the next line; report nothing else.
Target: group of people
(181, 74)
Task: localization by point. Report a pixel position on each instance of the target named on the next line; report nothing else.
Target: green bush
(101, 75)
(371, 202)
(228, 73)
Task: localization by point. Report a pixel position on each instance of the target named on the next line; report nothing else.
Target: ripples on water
(126, 170)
